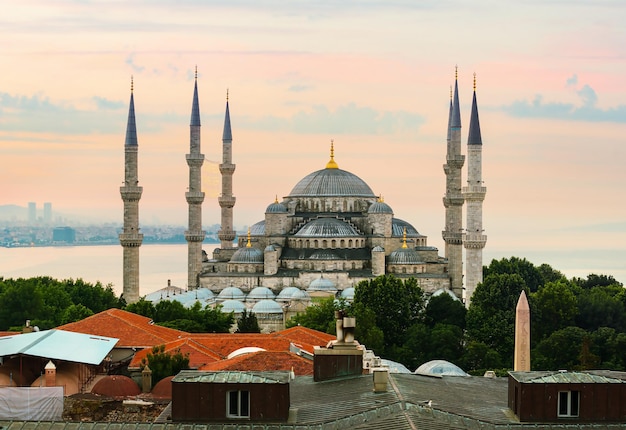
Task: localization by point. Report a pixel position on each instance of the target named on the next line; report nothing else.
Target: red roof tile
(264, 360)
(199, 354)
(132, 330)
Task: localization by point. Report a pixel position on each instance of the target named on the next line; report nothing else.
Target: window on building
(238, 404)
(568, 403)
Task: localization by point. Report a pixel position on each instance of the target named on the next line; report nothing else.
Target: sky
(374, 76)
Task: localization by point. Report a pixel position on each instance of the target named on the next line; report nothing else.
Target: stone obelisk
(521, 362)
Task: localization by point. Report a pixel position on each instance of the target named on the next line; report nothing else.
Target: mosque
(326, 235)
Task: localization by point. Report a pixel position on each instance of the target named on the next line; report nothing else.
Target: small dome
(404, 256)
(116, 386)
(348, 293)
(300, 295)
(231, 293)
(267, 307)
(440, 368)
(447, 291)
(244, 350)
(276, 208)
(322, 284)
(327, 227)
(286, 293)
(378, 248)
(270, 248)
(163, 388)
(235, 306)
(380, 207)
(249, 254)
(259, 293)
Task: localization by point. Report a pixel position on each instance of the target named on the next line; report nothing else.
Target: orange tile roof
(305, 338)
(132, 330)
(199, 354)
(264, 360)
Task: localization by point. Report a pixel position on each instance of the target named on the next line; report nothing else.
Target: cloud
(102, 103)
(345, 119)
(299, 88)
(585, 111)
(130, 60)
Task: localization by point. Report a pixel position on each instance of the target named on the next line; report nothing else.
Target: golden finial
(132, 86)
(331, 163)
(276, 200)
(196, 72)
(380, 198)
(404, 239)
(450, 92)
(456, 72)
(474, 81)
(248, 245)
(226, 94)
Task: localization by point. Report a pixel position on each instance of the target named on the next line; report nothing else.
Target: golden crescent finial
(331, 163)
(456, 72)
(196, 72)
(226, 94)
(132, 84)
(474, 81)
(248, 245)
(276, 200)
(404, 239)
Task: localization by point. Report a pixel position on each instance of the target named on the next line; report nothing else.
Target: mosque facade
(331, 231)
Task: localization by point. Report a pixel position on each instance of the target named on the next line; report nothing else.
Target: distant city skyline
(373, 76)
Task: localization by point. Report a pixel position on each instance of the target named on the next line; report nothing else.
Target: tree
(553, 307)
(248, 323)
(561, 350)
(443, 309)
(320, 316)
(163, 364)
(142, 307)
(601, 306)
(75, 313)
(531, 275)
(20, 301)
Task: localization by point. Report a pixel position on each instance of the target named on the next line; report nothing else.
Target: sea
(158, 263)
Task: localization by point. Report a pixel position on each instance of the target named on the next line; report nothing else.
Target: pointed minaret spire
(453, 200)
(474, 193)
(130, 238)
(226, 200)
(194, 196)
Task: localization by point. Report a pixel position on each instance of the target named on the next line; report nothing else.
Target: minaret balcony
(131, 240)
(227, 168)
(131, 193)
(228, 235)
(452, 238)
(226, 201)
(194, 197)
(474, 240)
(455, 161)
(195, 236)
(453, 201)
(474, 192)
(194, 160)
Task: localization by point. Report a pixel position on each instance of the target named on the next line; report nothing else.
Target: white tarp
(31, 403)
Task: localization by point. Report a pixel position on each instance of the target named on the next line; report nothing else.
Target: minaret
(226, 200)
(195, 196)
(130, 238)
(474, 193)
(453, 199)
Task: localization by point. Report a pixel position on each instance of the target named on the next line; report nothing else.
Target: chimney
(146, 379)
(51, 374)
(27, 328)
(341, 357)
(381, 376)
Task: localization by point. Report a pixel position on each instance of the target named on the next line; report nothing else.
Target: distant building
(64, 234)
(32, 212)
(47, 212)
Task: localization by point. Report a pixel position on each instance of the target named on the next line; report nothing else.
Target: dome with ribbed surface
(259, 293)
(276, 208)
(330, 183)
(286, 293)
(300, 295)
(380, 208)
(404, 256)
(232, 293)
(235, 306)
(398, 227)
(267, 307)
(258, 229)
(322, 284)
(324, 254)
(327, 227)
(247, 255)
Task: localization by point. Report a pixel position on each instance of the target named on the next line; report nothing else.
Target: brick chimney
(51, 374)
(341, 357)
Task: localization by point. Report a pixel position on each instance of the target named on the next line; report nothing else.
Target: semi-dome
(327, 227)
(259, 293)
(331, 182)
(249, 254)
(258, 229)
(267, 307)
(235, 306)
(404, 256)
(440, 368)
(322, 284)
(398, 227)
(231, 293)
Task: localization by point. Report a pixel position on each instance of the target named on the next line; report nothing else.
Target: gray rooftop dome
(331, 182)
(276, 208)
(322, 284)
(404, 256)
(398, 226)
(327, 227)
(380, 207)
(286, 293)
(267, 307)
(249, 254)
(231, 293)
(259, 293)
(235, 306)
(348, 293)
(440, 368)
(258, 229)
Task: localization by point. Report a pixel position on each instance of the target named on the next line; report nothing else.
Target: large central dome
(330, 183)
